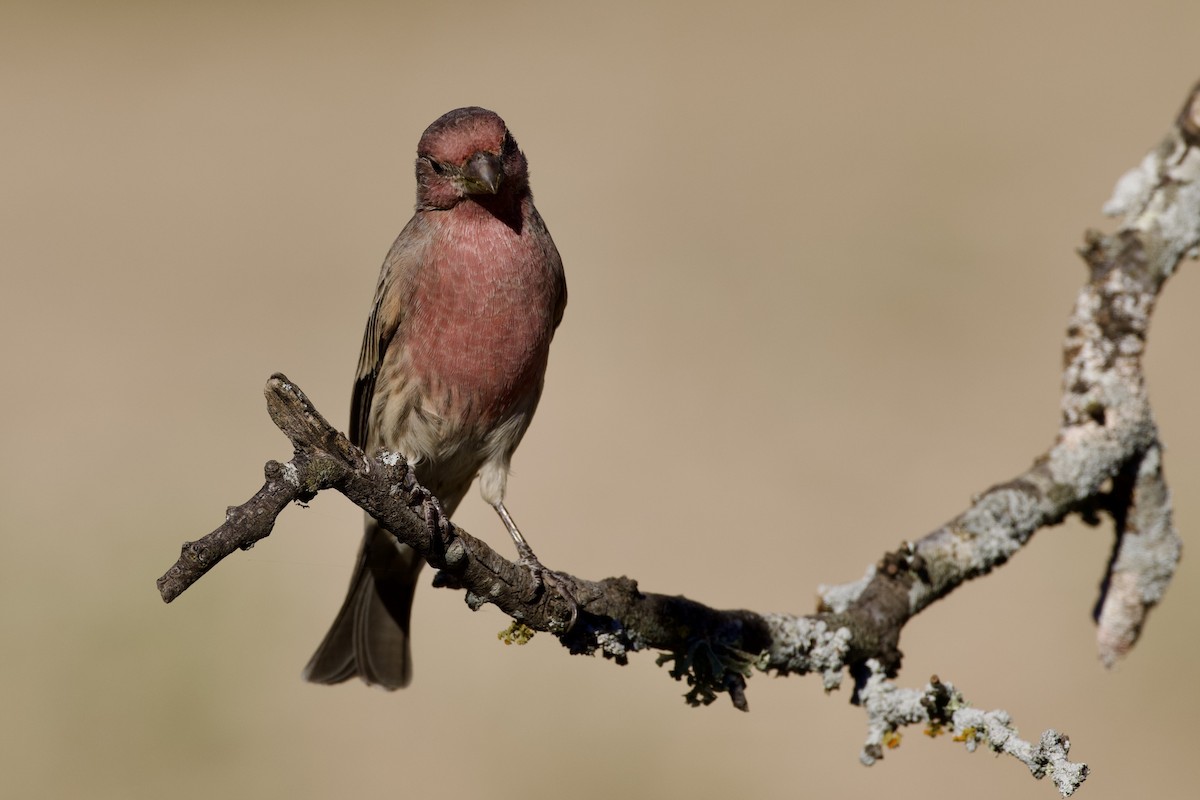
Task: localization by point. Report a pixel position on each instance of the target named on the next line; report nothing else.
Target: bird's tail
(369, 637)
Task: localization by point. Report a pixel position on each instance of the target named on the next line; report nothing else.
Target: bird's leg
(528, 559)
(544, 577)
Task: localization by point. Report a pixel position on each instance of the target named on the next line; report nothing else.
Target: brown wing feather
(373, 347)
(555, 264)
(391, 297)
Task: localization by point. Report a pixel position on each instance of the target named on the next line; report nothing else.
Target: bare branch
(244, 525)
(1107, 458)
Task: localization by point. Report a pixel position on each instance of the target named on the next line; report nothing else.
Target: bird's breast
(481, 316)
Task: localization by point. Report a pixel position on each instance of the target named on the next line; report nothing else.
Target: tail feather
(369, 637)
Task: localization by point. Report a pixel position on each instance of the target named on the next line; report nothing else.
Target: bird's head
(469, 153)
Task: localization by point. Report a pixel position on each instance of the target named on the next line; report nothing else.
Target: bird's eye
(438, 168)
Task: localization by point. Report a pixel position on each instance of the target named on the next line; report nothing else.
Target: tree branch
(1107, 458)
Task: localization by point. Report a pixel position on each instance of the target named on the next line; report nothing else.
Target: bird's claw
(549, 579)
(435, 517)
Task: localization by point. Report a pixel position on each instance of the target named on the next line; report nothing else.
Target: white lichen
(800, 644)
(890, 708)
(840, 597)
(291, 475)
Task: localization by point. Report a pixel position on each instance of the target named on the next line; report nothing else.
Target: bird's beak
(482, 174)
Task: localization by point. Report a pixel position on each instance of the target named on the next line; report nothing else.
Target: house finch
(451, 367)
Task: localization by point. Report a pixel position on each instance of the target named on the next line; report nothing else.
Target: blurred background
(820, 258)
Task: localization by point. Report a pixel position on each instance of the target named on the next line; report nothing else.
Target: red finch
(452, 365)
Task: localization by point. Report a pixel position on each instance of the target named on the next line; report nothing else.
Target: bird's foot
(545, 579)
(436, 518)
(558, 582)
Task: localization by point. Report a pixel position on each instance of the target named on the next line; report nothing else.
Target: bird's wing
(556, 266)
(560, 303)
(396, 280)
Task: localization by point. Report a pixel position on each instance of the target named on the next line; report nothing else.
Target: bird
(451, 369)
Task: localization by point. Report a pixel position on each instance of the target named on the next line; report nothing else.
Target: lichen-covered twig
(941, 709)
(1107, 457)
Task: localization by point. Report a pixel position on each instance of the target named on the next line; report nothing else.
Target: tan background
(820, 259)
